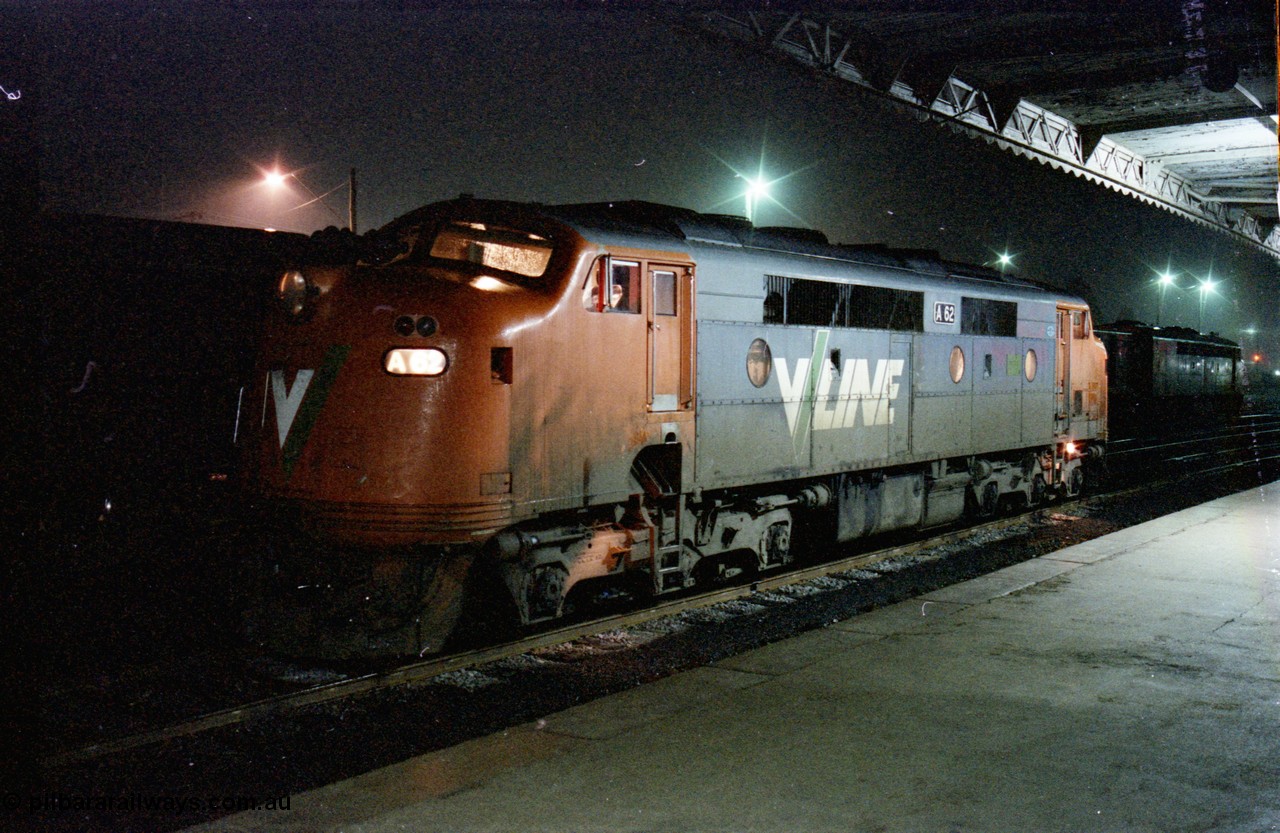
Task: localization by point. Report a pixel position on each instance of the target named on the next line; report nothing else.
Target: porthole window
(957, 364)
(759, 362)
(1029, 366)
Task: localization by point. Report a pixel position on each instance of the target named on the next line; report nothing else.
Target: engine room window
(774, 310)
(1030, 365)
(987, 317)
(830, 304)
(500, 365)
(510, 250)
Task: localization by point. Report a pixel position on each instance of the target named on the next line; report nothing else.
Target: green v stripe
(312, 403)
(804, 419)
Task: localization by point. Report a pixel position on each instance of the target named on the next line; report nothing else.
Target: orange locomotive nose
(381, 448)
(381, 438)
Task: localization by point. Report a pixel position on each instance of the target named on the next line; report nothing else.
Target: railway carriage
(627, 397)
(1187, 377)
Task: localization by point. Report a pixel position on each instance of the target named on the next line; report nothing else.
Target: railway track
(1253, 442)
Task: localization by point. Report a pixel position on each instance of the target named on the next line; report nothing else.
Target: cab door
(670, 319)
(1062, 382)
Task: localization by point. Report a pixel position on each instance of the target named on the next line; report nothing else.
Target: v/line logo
(288, 399)
(863, 396)
(298, 406)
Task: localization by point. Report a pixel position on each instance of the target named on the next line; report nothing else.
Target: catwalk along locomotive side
(626, 397)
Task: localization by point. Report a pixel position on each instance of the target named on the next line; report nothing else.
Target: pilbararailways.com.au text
(59, 803)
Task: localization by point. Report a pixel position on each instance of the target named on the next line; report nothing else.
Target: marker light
(1069, 450)
(419, 361)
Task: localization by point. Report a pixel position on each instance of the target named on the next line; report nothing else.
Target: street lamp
(760, 189)
(276, 180)
(1164, 281)
(1002, 261)
(757, 189)
(1206, 288)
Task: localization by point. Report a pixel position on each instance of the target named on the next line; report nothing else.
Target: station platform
(1130, 683)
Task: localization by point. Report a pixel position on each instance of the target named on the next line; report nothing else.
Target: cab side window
(613, 286)
(624, 286)
(1079, 324)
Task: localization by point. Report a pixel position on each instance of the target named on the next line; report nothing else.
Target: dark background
(173, 111)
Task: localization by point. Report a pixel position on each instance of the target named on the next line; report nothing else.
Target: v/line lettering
(863, 396)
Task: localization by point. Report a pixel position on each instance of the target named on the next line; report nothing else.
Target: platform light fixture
(1208, 286)
(1003, 260)
(759, 188)
(1164, 280)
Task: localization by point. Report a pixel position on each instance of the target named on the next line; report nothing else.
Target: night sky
(173, 110)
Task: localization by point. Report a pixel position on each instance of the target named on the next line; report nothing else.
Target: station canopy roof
(1170, 102)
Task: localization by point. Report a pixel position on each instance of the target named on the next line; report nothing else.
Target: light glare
(757, 188)
(488, 284)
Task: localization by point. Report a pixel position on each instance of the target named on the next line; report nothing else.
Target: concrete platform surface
(1131, 683)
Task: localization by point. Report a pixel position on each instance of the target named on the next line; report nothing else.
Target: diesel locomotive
(579, 400)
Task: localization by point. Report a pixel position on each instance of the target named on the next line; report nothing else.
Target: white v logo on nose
(287, 400)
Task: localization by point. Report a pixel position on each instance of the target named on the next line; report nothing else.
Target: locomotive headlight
(292, 292)
(416, 361)
(1069, 450)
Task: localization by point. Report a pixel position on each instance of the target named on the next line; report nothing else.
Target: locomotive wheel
(547, 590)
(776, 545)
(1039, 489)
(990, 499)
(1076, 484)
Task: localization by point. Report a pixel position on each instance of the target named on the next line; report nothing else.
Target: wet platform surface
(1128, 683)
